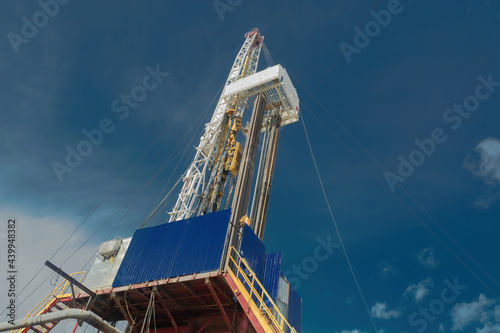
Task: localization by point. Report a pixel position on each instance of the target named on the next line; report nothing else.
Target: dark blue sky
(403, 82)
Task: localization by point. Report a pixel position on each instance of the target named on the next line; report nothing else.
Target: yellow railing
(66, 289)
(241, 273)
(57, 293)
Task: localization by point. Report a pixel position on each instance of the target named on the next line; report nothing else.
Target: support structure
(167, 312)
(219, 304)
(241, 198)
(265, 175)
(71, 280)
(195, 179)
(194, 293)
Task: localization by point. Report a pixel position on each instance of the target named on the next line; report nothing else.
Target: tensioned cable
(161, 203)
(99, 204)
(167, 162)
(146, 323)
(335, 224)
(200, 121)
(131, 200)
(178, 163)
(406, 207)
(400, 186)
(123, 177)
(362, 147)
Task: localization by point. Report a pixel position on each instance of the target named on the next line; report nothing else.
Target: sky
(400, 100)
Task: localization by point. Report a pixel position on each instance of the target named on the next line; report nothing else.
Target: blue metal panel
(253, 250)
(174, 249)
(271, 276)
(294, 310)
(201, 248)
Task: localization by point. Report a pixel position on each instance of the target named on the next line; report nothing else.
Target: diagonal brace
(164, 306)
(219, 304)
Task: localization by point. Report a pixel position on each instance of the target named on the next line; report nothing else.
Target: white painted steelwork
(241, 88)
(103, 270)
(206, 152)
(277, 88)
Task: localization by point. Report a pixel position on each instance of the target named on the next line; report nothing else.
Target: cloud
(488, 168)
(486, 200)
(38, 237)
(379, 310)
(389, 270)
(489, 328)
(420, 290)
(426, 258)
(464, 314)
(350, 331)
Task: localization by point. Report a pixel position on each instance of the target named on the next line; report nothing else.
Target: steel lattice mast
(195, 179)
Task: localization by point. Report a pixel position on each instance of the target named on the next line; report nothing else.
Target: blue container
(271, 276)
(174, 249)
(294, 310)
(253, 250)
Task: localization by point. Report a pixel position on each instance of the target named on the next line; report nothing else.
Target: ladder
(253, 298)
(51, 302)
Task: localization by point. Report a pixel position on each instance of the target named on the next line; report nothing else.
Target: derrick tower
(206, 269)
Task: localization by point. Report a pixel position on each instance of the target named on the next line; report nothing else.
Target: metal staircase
(51, 302)
(253, 298)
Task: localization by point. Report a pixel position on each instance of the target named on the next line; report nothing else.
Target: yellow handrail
(67, 285)
(57, 293)
(237, 261)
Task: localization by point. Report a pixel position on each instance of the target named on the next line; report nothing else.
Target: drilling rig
(205, 269)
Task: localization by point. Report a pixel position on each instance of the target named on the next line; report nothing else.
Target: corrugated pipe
(86, 316)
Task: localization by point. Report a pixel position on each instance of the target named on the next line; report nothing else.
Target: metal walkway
(254, 299)
(194, 303)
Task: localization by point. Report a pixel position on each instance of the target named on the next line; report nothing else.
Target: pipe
(243, 187)
(86, 316)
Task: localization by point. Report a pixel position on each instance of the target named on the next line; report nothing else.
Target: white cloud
(489, 328)
(37, 240)
(348, 331)
(441, 328)
(488, 168)
(487, 199)
(426, 257)
(420, 290)
(497, 313)
(389, 270)
(380, 311)
(464, 314)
